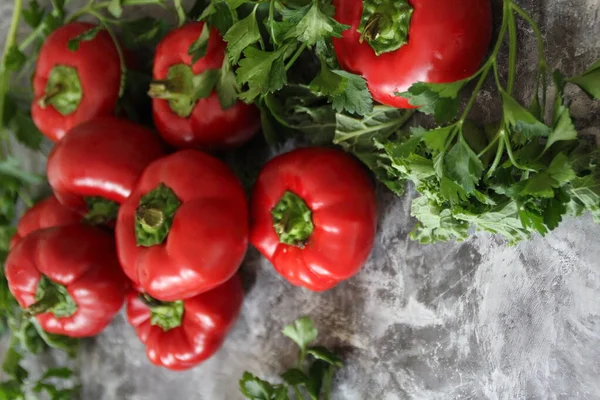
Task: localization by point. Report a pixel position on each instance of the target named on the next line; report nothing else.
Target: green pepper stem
(164, 89)
(152, 219)
(385, 24)
(50, 299)
(48, 97)
(154, 215)
(164, 314)
(292, 220)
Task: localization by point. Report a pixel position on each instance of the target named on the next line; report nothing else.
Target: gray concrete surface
(473, 320)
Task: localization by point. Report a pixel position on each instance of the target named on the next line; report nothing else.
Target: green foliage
(314, 379)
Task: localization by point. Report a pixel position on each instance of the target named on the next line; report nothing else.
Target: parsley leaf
(220, 15)
(435, 222)
(302, 332)
(347, 92)
(589, 81)
(521, 120)
(437, 99)
(297, 108)
(321, 353)
(115, 8)
(312, 24)
(86, 36)
(463, 166)
(585, 191)
(226, 86)
(255, 388)
(355, 98)
(564, 129)
(15, 59)
(34, 14)
(263, 71)
(353, 132)
(241, 35)
(198, 49)
(294, 377)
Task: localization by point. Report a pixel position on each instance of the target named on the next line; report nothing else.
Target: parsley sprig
(516, 176)
(265, 40)
(314, 379)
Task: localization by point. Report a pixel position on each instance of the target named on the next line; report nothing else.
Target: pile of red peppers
(153, 220)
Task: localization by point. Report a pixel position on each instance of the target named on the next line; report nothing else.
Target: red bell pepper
(74, 86)
(184, 229)
(45, 214)
(314, 216)
(396, 43)
(69, 278)
(181, 334)
(94, 167)
(186, 117)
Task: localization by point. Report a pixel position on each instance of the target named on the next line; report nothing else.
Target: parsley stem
(295, 56)
(497, 75)
(31, 37)
(484, 70)
(4, 74)
(298, 393)
(499, 152)
(503, 28)
(489, 146)
(536, 30)
(327, 380)
(512, 158)
(512, 52)
(180, 12)
(115, 40)
(83, 10)
(478, 87)
(301, 358)
(271, 19)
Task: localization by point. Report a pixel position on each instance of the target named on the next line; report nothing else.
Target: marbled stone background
(472, 320)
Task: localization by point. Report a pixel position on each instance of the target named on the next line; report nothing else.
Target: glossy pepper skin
(45, 214)
(101, 158)
(205, 240)
(78, 259)
(205, 322)
(447, 41)
(98, 68)
(208, 126)
(338, 207)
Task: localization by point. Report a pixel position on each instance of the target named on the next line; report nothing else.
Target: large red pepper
(181, 334)
(74, 86)
(45, 214)
(97, 164)
(314, 216)
(396, 43)
(185, 117)
(184, 229)
(69, 277)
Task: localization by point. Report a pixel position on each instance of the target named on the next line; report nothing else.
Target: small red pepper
(69, 278)
(314, 216)
(94, 168)
(181, 334)
(45, 214)
(184, 229)
(74, 86)
(188, 106)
